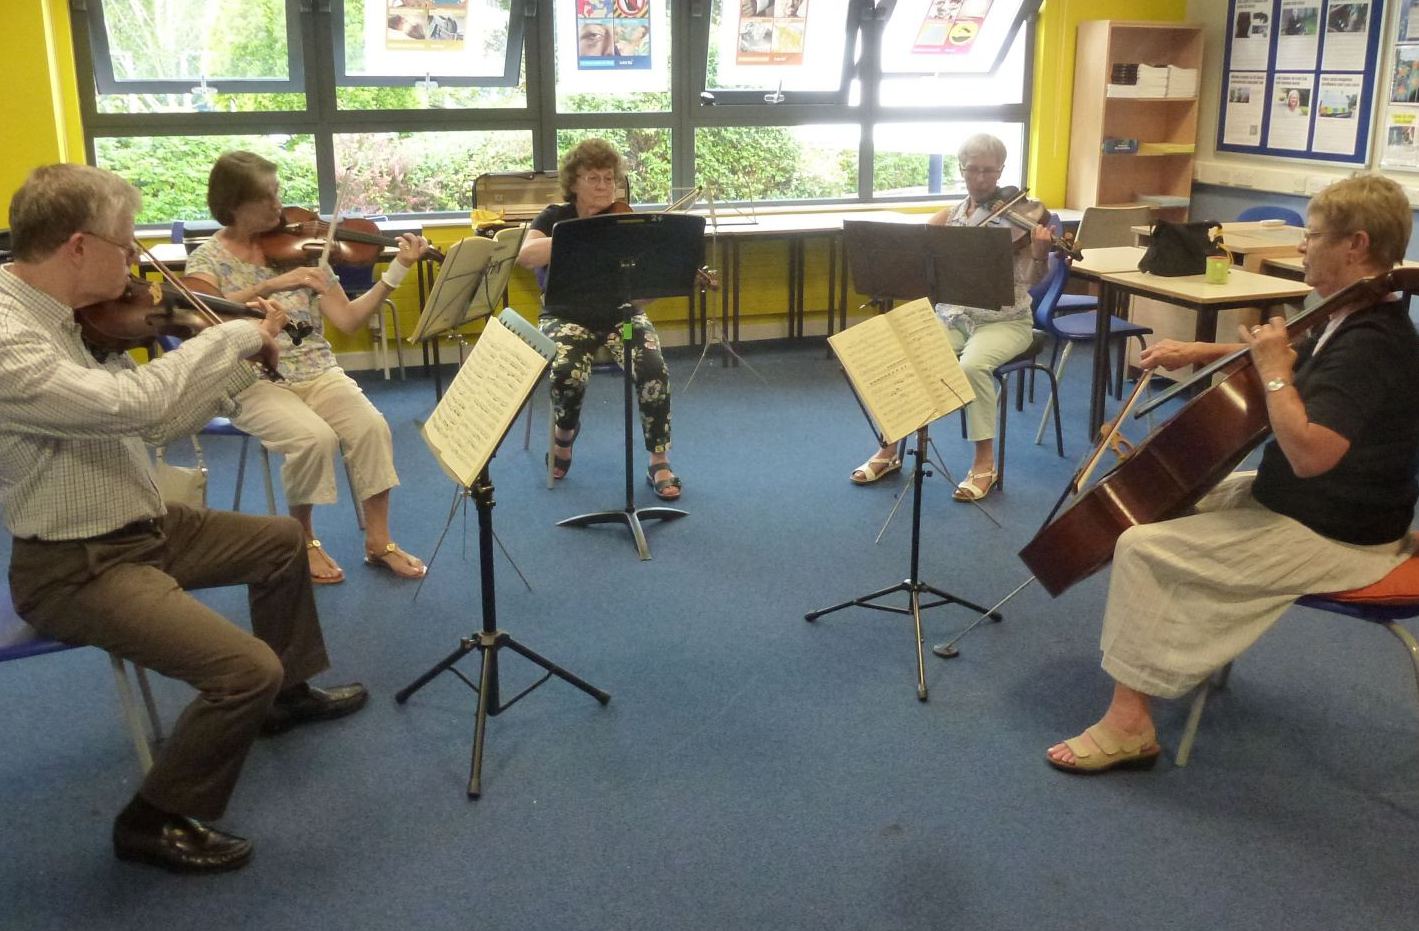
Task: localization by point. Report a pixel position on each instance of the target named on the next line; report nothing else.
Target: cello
(1179, 462)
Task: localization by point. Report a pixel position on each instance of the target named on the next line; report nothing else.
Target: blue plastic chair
(1068, 329)
(1271, 212)
(1401, 605)
(19, 640)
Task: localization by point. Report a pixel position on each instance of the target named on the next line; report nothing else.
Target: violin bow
(181, 288)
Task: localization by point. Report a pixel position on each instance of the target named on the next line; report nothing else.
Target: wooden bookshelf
(1099, 179)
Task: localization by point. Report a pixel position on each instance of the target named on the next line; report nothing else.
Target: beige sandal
(875, 468)
(321, 556)
(968, 490)
(1112, 750)
(402, 564)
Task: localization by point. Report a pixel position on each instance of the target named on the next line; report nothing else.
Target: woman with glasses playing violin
(317, 410)
(983, 337)
(591, 176)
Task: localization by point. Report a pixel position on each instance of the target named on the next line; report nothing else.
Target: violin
(1180, 461)
(149, 309)
(299, 239)
(1009, 206)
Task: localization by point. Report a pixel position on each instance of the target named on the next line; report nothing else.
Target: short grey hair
(982, 144)
(57, 201)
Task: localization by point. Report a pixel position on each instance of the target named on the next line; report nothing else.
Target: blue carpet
(751, 771)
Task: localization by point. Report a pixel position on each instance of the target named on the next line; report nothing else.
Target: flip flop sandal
(563, 463)
(1113, 750)
(659, 486)
(381, 561)
(876, 468)
(339, 575)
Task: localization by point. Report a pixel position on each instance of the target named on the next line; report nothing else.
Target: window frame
(102, 61)
(512, 59)
(689, 30)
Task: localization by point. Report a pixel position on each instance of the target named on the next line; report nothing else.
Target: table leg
(1098, 390)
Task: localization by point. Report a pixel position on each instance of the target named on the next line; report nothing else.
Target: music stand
(605, 262)
(468, 270)
(906, 262)
(489, 639)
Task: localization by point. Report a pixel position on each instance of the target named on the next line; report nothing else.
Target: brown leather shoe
(182, 845)
(306, 703)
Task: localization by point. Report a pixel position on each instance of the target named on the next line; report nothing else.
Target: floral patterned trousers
(571, 369)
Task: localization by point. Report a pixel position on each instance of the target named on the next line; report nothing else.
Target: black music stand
(605, 262)
(959, 265)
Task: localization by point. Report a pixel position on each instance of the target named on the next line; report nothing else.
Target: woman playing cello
(1327, 510)
(317, 410)
(983, 338)
(590, 175)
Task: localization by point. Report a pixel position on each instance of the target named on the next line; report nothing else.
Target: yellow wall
(41, 112)
(1053, 90)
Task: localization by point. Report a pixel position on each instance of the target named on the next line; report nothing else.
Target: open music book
(490, 388)
(903, 369)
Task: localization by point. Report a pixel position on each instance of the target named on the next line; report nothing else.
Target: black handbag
(1180, 248)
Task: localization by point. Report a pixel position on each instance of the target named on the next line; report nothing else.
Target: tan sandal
(319, 555)
(968, 490)
(875, 468)
(395, 560)
(1112, 750)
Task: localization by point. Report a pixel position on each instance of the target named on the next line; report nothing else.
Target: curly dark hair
(591, 153)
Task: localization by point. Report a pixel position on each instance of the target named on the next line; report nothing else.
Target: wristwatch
(1276, 384)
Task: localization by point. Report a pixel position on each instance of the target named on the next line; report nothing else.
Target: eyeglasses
(606, 180)
(973, 172)
(1309, 234)
(130, 248)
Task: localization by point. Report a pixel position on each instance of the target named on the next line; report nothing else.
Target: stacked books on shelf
(1182, 82)
(1134, 80)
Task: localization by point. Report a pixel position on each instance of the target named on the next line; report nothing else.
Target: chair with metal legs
(1392, 599)
(19, 640)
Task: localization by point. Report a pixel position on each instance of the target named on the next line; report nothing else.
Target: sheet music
(935, 360)
(490, 388)
(900, 364)
(489, 295)
(463, 270)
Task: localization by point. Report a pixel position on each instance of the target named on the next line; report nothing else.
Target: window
(399, 104)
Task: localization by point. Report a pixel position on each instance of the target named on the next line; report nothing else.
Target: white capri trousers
(980, 354)
(308, 422)
(1188, 596)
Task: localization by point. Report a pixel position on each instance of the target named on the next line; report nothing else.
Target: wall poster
(1300, 78)
(1399, 147)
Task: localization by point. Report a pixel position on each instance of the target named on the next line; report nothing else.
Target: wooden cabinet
(1160, 173)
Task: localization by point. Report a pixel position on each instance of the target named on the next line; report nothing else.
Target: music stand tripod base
(913, 586)
(631, 516)
(489, 640)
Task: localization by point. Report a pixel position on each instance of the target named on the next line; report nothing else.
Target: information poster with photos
(772, 32)
(1399, 146)
(952, 36)
(1299, 78)
(413, 25)
(613, 35)
(951, 27)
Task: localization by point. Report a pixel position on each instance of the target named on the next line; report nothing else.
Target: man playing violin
(590, 175)
(98, 559)
(984, 337)
(1328, 508)
(317, 410)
